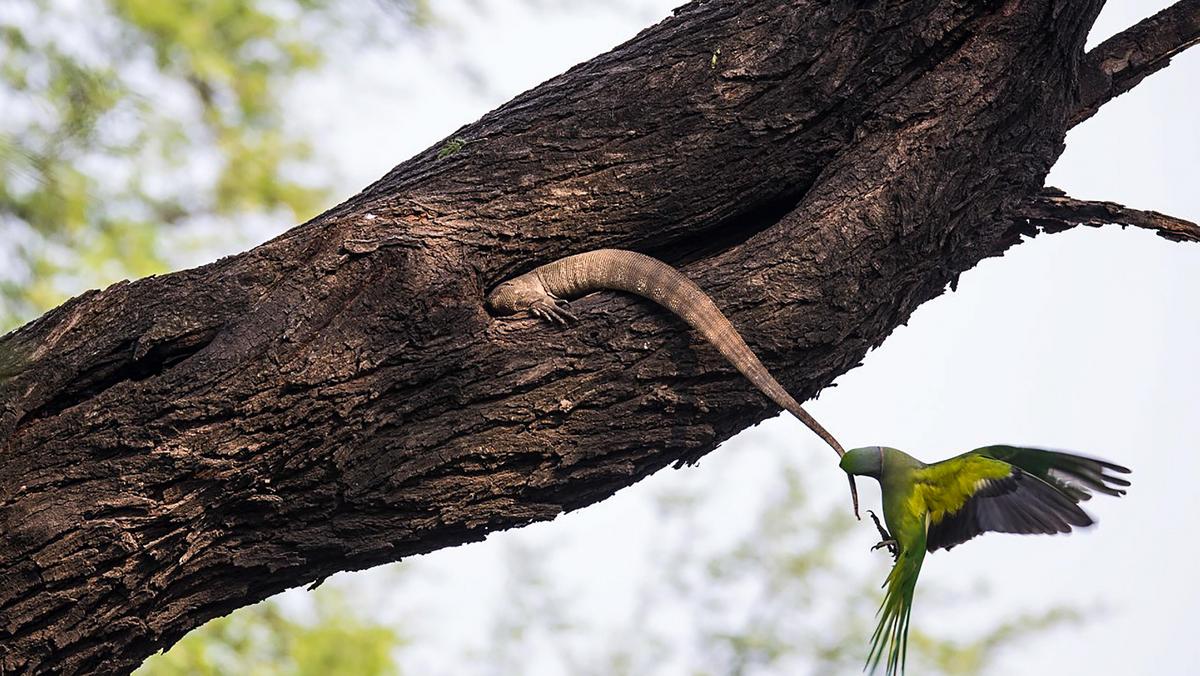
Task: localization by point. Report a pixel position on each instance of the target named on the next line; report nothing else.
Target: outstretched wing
(1075, 475)
(1025, 490)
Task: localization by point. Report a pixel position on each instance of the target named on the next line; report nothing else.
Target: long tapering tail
(891, 636)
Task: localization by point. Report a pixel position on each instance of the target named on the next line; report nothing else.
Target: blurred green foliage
(261, 640)
(780, 599)
(127, 120)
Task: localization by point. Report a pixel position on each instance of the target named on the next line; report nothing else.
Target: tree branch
(1054, 211)
(179, 446)
(1119, 63)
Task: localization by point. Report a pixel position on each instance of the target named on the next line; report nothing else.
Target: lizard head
(516, 295)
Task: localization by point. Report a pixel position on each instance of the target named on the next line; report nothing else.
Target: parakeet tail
(889, 643)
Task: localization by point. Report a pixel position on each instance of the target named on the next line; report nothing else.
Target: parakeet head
(866, 461)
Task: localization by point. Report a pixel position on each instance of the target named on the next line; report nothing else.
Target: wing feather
(1040, 494)
(1076, 475)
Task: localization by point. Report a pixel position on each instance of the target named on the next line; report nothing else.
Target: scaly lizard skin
(544, 292)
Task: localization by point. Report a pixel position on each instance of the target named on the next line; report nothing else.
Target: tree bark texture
(176, 447)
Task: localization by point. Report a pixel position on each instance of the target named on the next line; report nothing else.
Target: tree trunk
(179, 446)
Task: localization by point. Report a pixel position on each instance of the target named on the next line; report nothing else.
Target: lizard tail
(650, 278)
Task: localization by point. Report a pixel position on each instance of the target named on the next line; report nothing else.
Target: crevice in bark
(128, 362)
(729, 234)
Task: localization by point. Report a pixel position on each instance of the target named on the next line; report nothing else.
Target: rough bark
(179, 446)
(1119, 63)
(1054, 211)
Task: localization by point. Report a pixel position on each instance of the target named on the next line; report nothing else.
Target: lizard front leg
(527, 293)
(554, 310)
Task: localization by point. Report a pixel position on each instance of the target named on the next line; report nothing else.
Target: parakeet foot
(891, 545)
(882, 531)
(887, 541)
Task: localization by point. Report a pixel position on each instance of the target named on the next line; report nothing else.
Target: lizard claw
(564, 308)
(552, 312)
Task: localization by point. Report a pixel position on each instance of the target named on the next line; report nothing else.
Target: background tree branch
(1119, 63)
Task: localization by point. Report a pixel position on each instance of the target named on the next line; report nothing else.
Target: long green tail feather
(891, 636)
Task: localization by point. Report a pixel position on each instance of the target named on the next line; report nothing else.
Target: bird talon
(888, 541)
(890, 544)
(882, 531)
(892, 548)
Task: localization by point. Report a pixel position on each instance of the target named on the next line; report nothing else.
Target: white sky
(1086, 340)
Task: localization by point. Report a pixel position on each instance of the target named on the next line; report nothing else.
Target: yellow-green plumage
(996, 488)
(891, 634)
(944, 487)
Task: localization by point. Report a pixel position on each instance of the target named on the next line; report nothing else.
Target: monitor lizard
(544, 292)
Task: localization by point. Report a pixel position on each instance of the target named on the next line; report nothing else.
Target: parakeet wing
(1075, 475)
(1038, 494)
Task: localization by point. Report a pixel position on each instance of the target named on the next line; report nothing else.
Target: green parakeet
(1005, 489)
